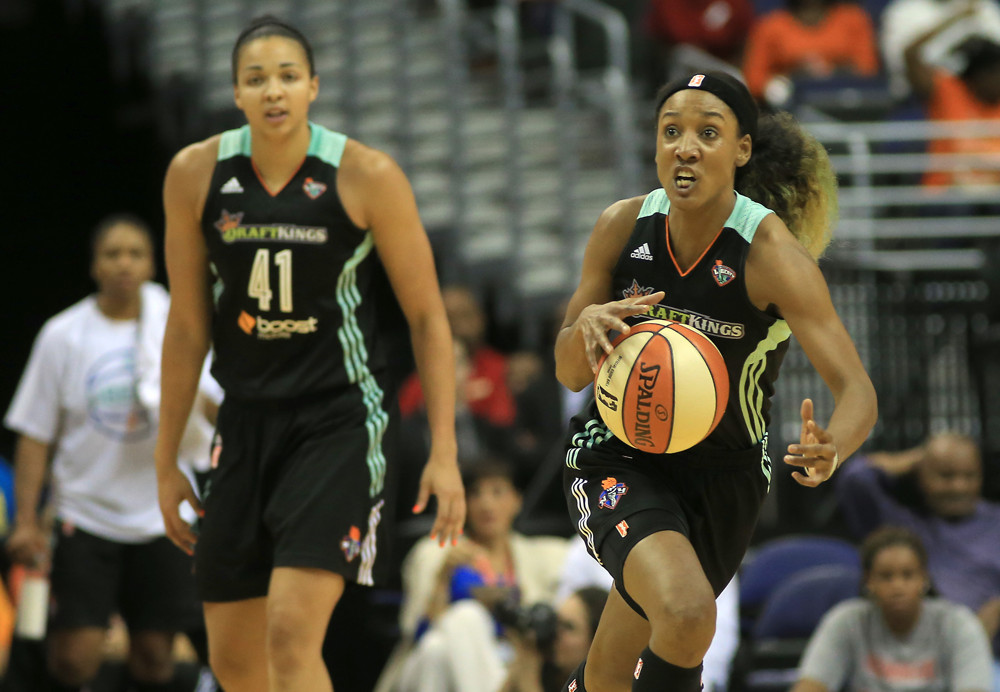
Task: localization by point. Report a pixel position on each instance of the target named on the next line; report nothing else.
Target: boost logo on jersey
(275, 329)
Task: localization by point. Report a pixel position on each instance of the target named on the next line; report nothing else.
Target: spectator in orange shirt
(811, 38)
(972, 94)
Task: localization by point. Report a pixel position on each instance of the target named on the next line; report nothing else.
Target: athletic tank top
(710, 296)
(294, 313)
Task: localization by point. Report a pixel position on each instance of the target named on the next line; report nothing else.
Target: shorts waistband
(720, 458)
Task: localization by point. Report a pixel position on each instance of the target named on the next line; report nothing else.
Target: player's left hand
(816, 452)
(442, 479)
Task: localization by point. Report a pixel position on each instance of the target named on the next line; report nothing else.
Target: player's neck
(280, 158)
(691, 230)
(119, 307)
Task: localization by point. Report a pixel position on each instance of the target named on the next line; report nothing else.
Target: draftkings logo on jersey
(233, 230)
(266, 329)
(636, 290)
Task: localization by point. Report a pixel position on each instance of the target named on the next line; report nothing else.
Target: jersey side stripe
(356, 363)
(369, 546)
(751, 394)
(583, 506)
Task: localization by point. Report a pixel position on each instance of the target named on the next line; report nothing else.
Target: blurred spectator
(450, 641)
(973, 93)
(538, 398)
(897, 639)
(544, 660)
(809, 39)
(679, 29)
(87, 406)
(903, 21)
(935, 491)
(581, 570)
(489, 398)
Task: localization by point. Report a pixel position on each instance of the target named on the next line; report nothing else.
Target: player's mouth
(684, 180)
(276, 115)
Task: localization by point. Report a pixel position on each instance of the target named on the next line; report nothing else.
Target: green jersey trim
(326, 145)
(751, 394)
(234, 143)
(744, 218)
(356, 363)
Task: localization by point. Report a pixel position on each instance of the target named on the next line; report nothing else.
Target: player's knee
(686, 626)
(73, 665)
(150, 659)
(287, 645)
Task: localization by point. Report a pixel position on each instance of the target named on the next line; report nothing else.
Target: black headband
(731, 90)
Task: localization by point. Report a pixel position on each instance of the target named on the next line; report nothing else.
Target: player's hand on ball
(595, 321)
(816, 452)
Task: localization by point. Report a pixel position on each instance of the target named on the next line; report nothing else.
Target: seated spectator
(714, 29)
(898, 638)
(903, 21)
(450, 641)
(971, 94)
(935, 491)
(547, 654)
(490, 399)
(811, 39)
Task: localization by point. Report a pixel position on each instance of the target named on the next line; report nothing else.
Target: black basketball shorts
(309, 484)
(149, 583)
(712, 498)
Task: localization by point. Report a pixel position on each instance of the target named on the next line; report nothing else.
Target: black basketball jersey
(710, 296)
(294, 312)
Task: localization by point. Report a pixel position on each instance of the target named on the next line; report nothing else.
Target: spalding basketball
(663, 388)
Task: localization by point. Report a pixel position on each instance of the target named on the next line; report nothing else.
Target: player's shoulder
(366, 162)
(198, 157)
(621, 216)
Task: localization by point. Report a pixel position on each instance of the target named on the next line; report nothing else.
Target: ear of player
(663, 388)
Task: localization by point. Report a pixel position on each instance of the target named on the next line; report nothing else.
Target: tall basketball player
(273, 235)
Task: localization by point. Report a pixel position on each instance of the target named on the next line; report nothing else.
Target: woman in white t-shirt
(87, 402)
(898, 639)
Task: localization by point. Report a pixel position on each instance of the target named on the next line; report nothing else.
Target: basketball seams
(629, 395)
(718, 370)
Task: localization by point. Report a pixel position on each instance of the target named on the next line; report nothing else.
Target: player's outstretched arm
(186, 340)
(378, 196)
(782, 275)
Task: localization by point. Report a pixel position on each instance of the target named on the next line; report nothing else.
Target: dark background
(80, 142)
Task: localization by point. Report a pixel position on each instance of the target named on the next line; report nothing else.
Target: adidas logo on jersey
(642, 252)
(231, 187)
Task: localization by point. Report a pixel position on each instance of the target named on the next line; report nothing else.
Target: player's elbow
(574, 379)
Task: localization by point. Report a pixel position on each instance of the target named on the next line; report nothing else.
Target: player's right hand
(595, 321)
(28, 544)
(174, 488)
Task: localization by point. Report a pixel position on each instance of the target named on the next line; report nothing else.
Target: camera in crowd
(538, 619)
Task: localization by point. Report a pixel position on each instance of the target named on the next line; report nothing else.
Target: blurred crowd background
(517, 123)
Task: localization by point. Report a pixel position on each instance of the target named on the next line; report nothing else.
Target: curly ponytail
(790, 173)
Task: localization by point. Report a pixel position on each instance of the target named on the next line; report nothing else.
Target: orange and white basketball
(663, 388)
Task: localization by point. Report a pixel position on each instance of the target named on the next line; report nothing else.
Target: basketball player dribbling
(273, 236)
(672, 529)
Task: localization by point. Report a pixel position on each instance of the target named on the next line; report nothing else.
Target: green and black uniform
(301, 473)
(711, 493)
